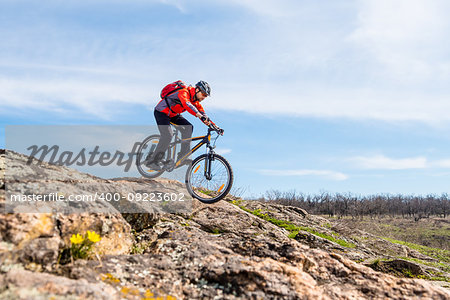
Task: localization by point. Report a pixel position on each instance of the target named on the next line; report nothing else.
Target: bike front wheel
(209, 189)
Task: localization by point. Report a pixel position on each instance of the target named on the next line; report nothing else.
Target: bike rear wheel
(146, 148)
(215, 188)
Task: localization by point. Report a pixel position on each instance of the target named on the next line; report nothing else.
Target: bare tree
(356, 206)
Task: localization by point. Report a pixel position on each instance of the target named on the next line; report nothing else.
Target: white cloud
(222, 151)
(408, 38)
(279, 8)
(359, 104)
(445, 163)
(95, 97)
(303, 64)
(386, 163)
(320, 173)
(382, 162)
(179, 4)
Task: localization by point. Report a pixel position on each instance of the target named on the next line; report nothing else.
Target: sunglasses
(203, 93)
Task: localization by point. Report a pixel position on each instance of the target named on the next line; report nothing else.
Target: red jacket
(179, 102)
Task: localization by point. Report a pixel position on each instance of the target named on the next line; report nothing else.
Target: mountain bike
(208, 178)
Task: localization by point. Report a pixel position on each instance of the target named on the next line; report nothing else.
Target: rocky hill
(233, 249)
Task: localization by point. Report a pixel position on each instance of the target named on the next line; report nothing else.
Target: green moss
(236, 202)
(377, 261)
(407, 273)
(292, 234)
(436, 276)
(440, 254)
(206, 192)
(439, 265)
(433, 232)
(439, 278)
(294, 229)
(341, 242)
(215, 231)
(137, 249)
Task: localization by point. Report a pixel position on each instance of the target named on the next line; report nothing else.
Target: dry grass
(430, 232)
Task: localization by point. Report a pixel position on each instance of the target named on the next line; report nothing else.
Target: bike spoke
(213, 188)
(148, 147)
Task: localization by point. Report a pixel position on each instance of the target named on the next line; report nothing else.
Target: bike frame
(205, 139)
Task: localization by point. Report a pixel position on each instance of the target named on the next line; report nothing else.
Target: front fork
(209, 159)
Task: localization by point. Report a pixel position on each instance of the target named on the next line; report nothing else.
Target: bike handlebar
(214, 127)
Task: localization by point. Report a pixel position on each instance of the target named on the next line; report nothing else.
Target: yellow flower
(76, 239)
(93, 237)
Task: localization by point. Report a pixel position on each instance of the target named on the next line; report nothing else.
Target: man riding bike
(168, 110)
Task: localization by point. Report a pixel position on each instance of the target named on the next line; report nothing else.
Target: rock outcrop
(213, 251)
(37, 238)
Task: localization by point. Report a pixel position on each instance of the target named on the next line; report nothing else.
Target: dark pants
(166, 132)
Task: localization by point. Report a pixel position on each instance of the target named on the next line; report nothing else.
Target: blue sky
(338, 96)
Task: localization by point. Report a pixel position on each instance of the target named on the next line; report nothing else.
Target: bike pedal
(168, 165)
(168, 162)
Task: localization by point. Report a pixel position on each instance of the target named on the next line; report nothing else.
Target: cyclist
(169, 110)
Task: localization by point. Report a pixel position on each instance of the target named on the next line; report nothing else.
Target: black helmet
(204, 87)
